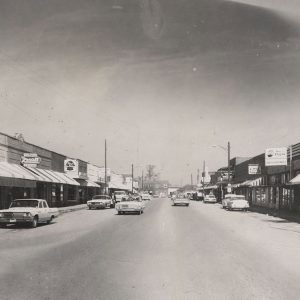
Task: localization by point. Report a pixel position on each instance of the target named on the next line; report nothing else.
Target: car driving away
(100, 202)
(180, 200)
(227, 199)
(210, 199)
(119, 195)
(146, 196)
(238, 202)
(28, 211)
(133, 204)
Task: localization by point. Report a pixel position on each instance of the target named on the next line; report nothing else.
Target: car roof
(29, 199)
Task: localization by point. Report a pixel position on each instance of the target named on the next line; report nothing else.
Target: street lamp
(227, 149)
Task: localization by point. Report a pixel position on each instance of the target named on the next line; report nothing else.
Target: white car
(210, 199)
(100, 201)
(227, 199)
(130, 204)
(238, 203)
(146, 196)
(28, 211)
(180, 200)
(119, 195)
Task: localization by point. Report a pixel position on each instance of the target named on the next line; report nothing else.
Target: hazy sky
(161, 80)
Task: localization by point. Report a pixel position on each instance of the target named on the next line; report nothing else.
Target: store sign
(254, 169)
(30, 160)
(71, 167)
(276, 156)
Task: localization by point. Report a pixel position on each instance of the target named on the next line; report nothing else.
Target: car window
(40, 205)
(45, 204)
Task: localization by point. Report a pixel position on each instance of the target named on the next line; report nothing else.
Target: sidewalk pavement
(66, 209)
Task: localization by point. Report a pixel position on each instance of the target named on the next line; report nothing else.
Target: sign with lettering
(30, 160)
(254, 169)
(276, 156)
(71, 167)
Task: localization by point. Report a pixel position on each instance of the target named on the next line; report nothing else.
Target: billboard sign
(71, 167)
(254, 169)
(276, 156)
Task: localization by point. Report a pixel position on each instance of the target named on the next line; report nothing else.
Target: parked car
(238, 203)
(100, 201)
(227, 199)
(119, 195)
(181, 200)
(210, 199)
(133, 203)
(28, 211)
(146, 196)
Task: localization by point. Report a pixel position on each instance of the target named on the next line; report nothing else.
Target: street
(196, 252)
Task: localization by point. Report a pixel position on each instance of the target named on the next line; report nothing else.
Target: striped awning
(53, 176)
(15, 171)
(253, 182)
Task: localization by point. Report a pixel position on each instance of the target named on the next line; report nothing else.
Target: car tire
(89, 208)
(187, 205)
(49, 221)
(34, 222)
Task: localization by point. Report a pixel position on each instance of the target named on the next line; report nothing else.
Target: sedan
(210, 199)
(100, 201)
(131, 204)
(238, 203)
(180, 200)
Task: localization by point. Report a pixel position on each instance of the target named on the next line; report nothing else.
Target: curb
(67, 209)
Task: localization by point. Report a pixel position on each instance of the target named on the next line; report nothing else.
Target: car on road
(238, 203)
(133, 203)
(28, 211)
(146, 196)
(119, 195)
(210, 199)
(227, 199)
(180, 200)
(100, 201)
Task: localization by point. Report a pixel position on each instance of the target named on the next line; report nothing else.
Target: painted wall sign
(276, 156)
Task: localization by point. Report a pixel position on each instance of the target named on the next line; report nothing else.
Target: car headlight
(27, 214)
(1, 215)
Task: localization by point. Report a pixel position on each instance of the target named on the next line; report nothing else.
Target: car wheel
(34, 222)
(49, 221)
(187, 205)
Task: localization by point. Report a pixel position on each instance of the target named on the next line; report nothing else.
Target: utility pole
(203, 176)
(228, 150)
(198, 176)
(132, 178)
(191, 179)
(142, 180)
(105, 173)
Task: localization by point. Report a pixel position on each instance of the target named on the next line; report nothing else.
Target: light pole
(227, 149)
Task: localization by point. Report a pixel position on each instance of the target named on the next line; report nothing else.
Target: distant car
(210, 199)
(181, 200)
(146, 196)
(130, 204)
(155, 196)
(238, 203)
(227, 199)
(100, 201)
(119, 195)
(28, 211)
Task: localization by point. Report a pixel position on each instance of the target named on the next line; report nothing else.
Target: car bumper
(96, 206)
(15, 221)
(129, 209)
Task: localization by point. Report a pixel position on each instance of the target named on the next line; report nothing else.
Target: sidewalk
(292, 216)
(66, 209)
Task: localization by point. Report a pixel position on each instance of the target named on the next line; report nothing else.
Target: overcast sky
(162, 81)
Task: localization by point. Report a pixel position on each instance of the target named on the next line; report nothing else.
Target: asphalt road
(200, 252)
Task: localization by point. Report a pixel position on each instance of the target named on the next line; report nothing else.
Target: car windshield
(129, 199)
(100, 197)
(24, 203)
(237, 198)
(120, 193)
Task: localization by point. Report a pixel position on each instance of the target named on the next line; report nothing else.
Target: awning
(14, 175)
(116, 186)
(15, 171)
(295, 180)
(53, 176)
(210, 187)
(89, 183)
(253, 182)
